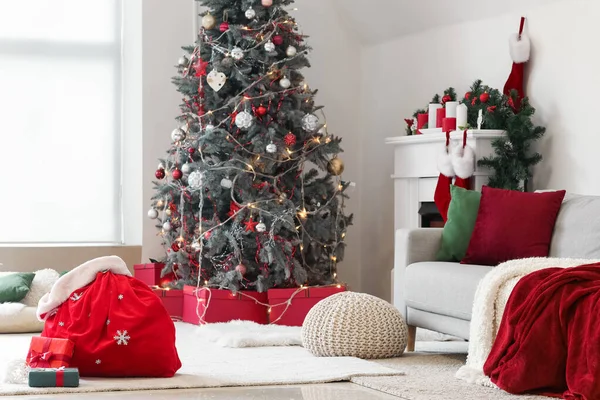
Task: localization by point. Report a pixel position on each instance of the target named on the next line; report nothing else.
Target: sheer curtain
(60, 122)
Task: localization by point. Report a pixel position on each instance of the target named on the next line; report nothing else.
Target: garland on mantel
(514, 158)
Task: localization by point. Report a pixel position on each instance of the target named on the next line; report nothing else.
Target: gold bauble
(335, 166)
(208, 21)
(168, 212)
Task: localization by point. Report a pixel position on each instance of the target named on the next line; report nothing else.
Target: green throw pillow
(462, 215)
(14, 287)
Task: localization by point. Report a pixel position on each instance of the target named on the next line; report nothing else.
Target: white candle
(461, 116)
(480, 119)
(433, 107)
(451, 109)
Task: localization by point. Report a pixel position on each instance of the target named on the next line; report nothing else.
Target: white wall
(402, 75)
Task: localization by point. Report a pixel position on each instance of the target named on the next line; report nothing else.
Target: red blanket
(549, 338)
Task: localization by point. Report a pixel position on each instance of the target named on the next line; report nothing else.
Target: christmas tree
(250, 195)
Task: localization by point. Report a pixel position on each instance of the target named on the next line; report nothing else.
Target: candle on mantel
(461, 116)
(439, 117)
(433, 107)
(480, 120)
(451, 109)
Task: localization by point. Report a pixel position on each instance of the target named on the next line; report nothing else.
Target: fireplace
(430, 216)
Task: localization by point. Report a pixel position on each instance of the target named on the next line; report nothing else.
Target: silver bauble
(261, 227)
(291, 51)
(152, 213)
(237, 53)
(269, 46)
(196, 179)
(177, 135)
(209, 128)
(226, 183)
(250, 13)
(186, 168)
(244, 120)
(285, 83)
(167, 226)
(208, 21)
(310, 122)
(183, 61)
(271, 148)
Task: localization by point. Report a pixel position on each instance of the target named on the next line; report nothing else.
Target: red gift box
(49, 353)
(150, 274)
(300, 305)
(223, 306)
(172, 300)
(449, 124)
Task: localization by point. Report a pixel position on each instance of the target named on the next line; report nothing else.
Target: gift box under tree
(290, 306)
(216, 305)
(151, 273)
(172, 300)
(49, 353)
(54, 377)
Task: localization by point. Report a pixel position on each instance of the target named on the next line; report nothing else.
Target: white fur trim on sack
(444, 164)
(78, 278)
(520, 50)
(463, 161)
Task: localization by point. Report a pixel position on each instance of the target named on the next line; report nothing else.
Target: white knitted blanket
(490, 300)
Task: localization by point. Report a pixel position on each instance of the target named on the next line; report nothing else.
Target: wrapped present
(54, 377)
(49, 353)
(149, 273)
(300, 303)
(172, 300)
(223, 306)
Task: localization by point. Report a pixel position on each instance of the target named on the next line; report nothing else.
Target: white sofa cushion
(577, 228)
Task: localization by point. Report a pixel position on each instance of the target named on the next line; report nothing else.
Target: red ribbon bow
(40, 360)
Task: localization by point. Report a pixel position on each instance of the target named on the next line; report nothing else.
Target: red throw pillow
(512, 225)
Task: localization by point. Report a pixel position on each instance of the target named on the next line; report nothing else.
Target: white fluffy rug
(207, 365)
(250, 334)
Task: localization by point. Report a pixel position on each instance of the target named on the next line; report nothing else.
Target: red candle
(421, 122)
(441, 114)
(449, 124)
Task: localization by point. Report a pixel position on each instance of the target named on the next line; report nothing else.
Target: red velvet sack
(119, 326)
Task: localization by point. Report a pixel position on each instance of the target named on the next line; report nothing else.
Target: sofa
(439, 295)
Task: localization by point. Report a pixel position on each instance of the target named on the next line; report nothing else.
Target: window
(60, 121)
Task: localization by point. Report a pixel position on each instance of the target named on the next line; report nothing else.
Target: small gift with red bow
(49, 353)
(54, 377)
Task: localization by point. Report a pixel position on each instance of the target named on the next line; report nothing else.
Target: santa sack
(120, 328)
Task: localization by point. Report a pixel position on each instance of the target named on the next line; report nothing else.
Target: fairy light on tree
(259, 178)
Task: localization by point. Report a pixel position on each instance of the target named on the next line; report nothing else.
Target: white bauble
(183, 60)
(152, 213)
(167, 226)
(208, 21)
(271, 148)
(178, 135)
(261, 227)
(244, 120)
(310, 122)
(226, 183)
(186, 168)
(196, 179)
(237, 53)
(250, 13)
(209, 128)
(269, 46)
(291, 51)
(285, 83)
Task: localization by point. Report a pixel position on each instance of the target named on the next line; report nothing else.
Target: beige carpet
(430, 376)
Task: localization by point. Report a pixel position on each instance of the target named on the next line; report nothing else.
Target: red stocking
(463, 162)
(520, 48)
(442, 191)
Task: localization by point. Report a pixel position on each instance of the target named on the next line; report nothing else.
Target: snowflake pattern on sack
(120, 297)
(122, 338)
(61, 323)
(75, 297)
(98, 361)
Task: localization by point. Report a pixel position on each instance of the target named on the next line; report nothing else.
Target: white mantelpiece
(416, 174)
(415, 169)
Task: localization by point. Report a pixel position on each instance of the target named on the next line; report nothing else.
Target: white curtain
(60, 122)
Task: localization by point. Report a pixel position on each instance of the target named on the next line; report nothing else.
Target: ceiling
(383, 20)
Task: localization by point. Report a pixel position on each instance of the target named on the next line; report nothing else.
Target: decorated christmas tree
(250, 195)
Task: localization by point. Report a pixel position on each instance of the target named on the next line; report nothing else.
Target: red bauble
(224, 26)
(261, 111)
(484, 97)
(241, 268)
(446, 98)
(468, 95)
(491, 109)
(175, 246)
(290, 139)
(277, 40)
(191, 150)
(177, 174)
(160, 173)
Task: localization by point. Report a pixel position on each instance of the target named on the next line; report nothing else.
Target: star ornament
(251, 225)
(200, 67)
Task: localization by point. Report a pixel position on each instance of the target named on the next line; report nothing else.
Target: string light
(303, 214)
(343, 235)
(333, 258)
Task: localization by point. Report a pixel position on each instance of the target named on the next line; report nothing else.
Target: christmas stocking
(463, 162)
(442, 195)
(520, 48)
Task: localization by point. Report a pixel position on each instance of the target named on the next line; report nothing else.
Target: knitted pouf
(354, 325)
